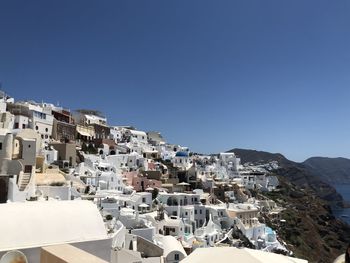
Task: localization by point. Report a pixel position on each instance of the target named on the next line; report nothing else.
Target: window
(200, 211)
(177, 257)
(46, 129)
(39, 115)
(16, 125)
(29, 146)
(27, 169)
(36, 127)
(143, 200)
(0, 145)
(195, 211)
(23, 126)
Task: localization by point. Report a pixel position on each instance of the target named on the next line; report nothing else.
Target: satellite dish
(14, 256)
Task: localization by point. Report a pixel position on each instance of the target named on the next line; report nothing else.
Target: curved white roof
(42, 223)
(170, 244)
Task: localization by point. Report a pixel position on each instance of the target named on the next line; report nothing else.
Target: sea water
(343, 214)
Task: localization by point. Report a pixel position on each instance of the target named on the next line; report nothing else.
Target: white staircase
(23, 181)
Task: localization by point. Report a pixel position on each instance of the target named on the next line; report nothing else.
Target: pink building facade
(140, 182)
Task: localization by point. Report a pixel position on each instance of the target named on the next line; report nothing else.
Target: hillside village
(73, 185)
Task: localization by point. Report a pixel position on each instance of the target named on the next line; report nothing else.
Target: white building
(155, 138)
(100, 174)
(173, 250)
(139, 136)
(183, 205)
(116, 134)
(51, 155)
(119, 161)
(89, 119)
(50, 223)
(231, 163)
(182, 160)
(21, 122)
(34, 116)
(210, 233)
(41, 121)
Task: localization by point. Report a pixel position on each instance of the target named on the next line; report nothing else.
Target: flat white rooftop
(43, 223)
(231, 254)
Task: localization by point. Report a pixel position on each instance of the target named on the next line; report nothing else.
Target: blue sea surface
(343, 214)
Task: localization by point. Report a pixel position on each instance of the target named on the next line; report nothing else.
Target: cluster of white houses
(73, 186)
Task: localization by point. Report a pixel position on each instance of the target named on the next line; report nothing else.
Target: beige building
(247, 213)
(17, 162)
(232, 254)
(66, 253)
(6, 120)
(66, 152)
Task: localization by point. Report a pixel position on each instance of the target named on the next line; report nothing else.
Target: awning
(83, 133)
(183, 184)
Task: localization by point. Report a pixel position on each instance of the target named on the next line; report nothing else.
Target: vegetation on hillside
(310, 229)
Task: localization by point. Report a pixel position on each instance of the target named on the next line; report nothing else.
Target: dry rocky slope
(311, 231)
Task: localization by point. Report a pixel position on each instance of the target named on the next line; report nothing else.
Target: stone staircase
(23, 181)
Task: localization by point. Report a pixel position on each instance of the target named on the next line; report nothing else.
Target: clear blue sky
(213, 75)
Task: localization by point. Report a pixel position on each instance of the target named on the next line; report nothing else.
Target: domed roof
(181, 154)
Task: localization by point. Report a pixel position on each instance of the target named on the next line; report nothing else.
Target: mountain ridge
(310, 230)
(300, 174)
(251, 155)
(331, 170)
